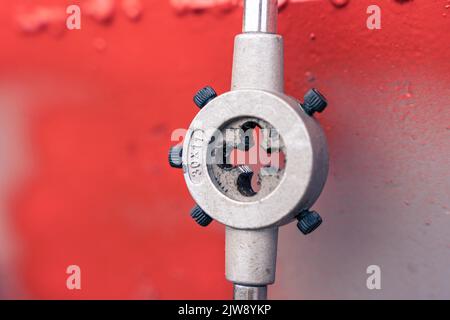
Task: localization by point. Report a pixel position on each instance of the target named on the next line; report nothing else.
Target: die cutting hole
(258, 159)
(244, 184)
(247, 159)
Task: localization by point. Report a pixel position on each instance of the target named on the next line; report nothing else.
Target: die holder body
(252, 219)
(258, 63)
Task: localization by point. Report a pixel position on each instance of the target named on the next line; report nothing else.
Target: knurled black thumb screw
(314, 102)
(308, 221)
(200, 216)
(203, 96)
(175, 156)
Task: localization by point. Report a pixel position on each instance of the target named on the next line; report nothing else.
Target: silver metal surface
(252, 216)
(250, 256)
(305, 169)
(260, 16)
(258, 62)
(249, 293)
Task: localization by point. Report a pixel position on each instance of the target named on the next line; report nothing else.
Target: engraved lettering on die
(195, 157)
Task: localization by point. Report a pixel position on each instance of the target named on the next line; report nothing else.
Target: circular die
(291, 189)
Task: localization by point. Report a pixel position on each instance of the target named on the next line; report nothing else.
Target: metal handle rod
(250, 261)
(257, 64)
(260, 16)
(258, 61)
(242, 292)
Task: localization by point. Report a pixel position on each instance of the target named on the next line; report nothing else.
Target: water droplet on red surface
(37, 19)
(281, 3)
(100, 10)
(132, 9)
(30, 22)
(309, 76)
(99, 44)
(340, 3)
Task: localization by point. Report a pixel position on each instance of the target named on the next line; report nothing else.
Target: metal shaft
(260, 16)
(250, 261)
(257, 64)
(258, 52)
(249, 293)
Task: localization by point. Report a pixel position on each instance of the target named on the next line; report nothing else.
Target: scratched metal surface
(86, 123)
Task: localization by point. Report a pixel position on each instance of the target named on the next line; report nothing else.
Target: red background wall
(86, 122)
